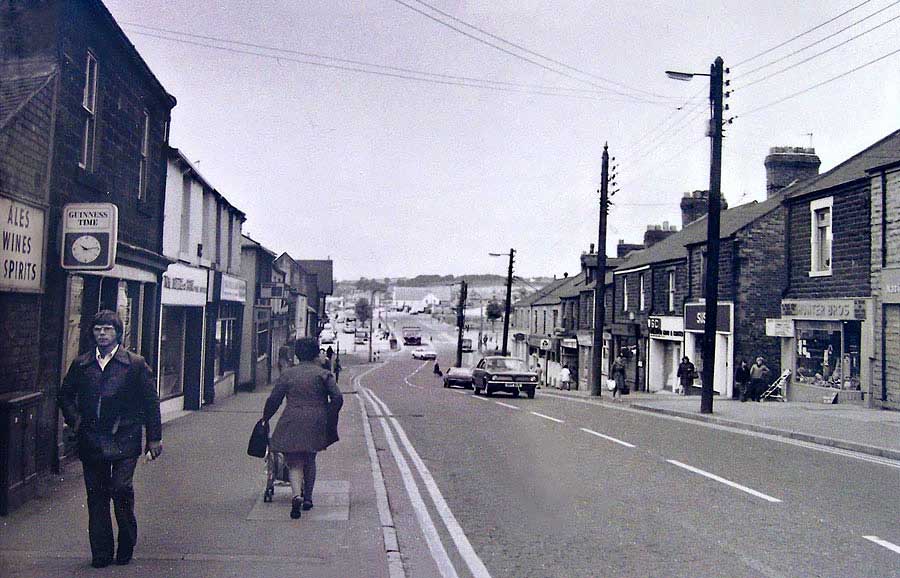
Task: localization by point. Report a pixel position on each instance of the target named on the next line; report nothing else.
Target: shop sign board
(184, 285)
(89, 236)
(570, 343)
(780, 327)
(695, 317)
(22, 251)
(834, 309)
(271, 290)
(233, 288)
(667, 327)
(545, 344)
(890, 285)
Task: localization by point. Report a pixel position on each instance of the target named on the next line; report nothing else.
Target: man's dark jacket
(114, 404)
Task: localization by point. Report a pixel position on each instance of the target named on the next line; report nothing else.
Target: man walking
(759, 378)
(107, 398)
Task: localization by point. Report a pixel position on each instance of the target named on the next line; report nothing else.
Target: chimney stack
(788, 165)
(591, 252)
(656, 233)
(695, 205)
(624, 248)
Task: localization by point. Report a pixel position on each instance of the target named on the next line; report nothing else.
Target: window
(186, 213)
(89, 103)
(535, 323)
(555, 319)
(641, 301)
(703, 273)
(145, 154)
(624, 293)
(227, 347)
(671, 294)
(820, 237)
(545, 322)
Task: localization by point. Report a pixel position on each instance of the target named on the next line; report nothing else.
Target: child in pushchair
(276, 473)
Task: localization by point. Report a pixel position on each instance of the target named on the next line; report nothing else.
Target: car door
(478, 373)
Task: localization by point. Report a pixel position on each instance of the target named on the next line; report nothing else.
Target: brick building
(829, 322)
(100, 125)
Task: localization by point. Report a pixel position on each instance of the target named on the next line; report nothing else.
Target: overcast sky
(390, 176)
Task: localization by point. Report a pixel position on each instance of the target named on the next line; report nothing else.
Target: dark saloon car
(507, 374)
(460, 376)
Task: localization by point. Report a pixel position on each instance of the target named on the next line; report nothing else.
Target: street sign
(90, 234)
(545, 344)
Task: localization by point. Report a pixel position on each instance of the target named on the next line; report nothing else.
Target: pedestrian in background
(437, 369)
(742, 379)
(540, 373)
(309, 422)
(565, 378)
(618, 374)
(107, 398)
(686, 374)
(759, 378)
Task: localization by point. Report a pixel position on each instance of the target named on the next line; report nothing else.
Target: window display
(828, 353)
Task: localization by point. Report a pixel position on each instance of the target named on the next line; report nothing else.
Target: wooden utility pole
(600, 281)
(461, 321)
(711, 294)
(509, 280)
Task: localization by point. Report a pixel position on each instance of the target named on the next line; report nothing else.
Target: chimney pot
(788, 165)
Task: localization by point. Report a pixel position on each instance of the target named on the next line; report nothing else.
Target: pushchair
(277, 473)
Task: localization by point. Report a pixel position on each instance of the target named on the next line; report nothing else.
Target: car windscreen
(505, 364)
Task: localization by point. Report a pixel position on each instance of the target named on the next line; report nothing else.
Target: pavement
(847, 426)
(200, 509)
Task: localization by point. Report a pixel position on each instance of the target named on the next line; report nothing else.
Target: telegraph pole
(600, 280)
(711, 294)
(509, 280)
(461, 321)
(371, 323)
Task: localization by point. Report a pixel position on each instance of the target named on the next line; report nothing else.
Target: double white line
(432, 537)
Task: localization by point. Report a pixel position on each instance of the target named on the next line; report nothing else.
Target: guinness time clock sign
(89, 238)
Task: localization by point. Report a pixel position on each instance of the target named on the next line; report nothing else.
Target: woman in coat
(309, 422)
(618, 373)
(686, 374)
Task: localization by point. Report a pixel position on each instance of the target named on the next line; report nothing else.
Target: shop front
(826, 346)
(585, 359)
(181, 344)
(568, 356)
(627, 340)
(226, 295)
(664, 352)
(694, 324)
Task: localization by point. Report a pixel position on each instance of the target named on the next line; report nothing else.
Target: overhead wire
(800, 35)
(537, 54)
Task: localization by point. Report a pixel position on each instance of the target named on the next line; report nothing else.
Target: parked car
(461, 376)
(424, 353)
(507, 374)
(327, 336)
(361, 337)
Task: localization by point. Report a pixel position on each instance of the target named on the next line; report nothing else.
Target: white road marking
(735, 485)
(435, 546)
(771, 437)
(479, 398)
(547, 417)
(388, 529)
(889, 545)
(606, 437)
(509, 405)
(476, 566)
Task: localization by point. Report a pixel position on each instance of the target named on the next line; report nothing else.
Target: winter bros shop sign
(835, 309)
(22, 251)
(89, 236)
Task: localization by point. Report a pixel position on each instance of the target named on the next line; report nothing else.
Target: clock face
(86, 249)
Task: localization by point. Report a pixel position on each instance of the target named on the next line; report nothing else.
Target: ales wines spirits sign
(22, 249)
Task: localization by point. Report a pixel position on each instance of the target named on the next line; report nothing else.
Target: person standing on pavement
(108, 398)
(618, 374)
(309, 422)
(742, 379)
(565, 378)
(759, 378)
(540, 373)
(686, 374)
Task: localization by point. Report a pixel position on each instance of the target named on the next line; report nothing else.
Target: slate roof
(324, 271)
(883, 152)
(552, 295)
(22, 79)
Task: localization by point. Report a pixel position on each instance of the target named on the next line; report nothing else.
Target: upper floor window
(671, 291)
(145, 155)
(89, 103)
(703, 265)
(641, 299)
(185, 240)
(820, 237)
(624, 293)
(545, 322)
(555, 319)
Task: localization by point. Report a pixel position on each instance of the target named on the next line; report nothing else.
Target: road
(558, 486)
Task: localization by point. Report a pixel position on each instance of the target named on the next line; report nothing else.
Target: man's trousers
(105, 480)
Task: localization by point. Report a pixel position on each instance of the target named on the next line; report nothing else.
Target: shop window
(227, 346)
(89, 104)
(828, 354)
(820, 237)
(172, 352)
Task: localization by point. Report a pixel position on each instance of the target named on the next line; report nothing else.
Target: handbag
(611, 384)
(259, 440)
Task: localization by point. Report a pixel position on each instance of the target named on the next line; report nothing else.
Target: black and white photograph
(450, 289)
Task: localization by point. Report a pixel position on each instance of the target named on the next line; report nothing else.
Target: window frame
(670, 295)
(642, 302)
(89, 105)
(624, 293)
(815, 207)
(144, 164)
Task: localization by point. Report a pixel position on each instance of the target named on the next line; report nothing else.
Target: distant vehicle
(424, 353)
(328, 326)
(466, 345)
(350, 316)
(507, 374)
(349, 327)
(412, 335)
(361, 337)
(327, 336)
(461, 376)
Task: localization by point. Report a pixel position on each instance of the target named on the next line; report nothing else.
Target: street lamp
(716, 82)
(509, 278)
